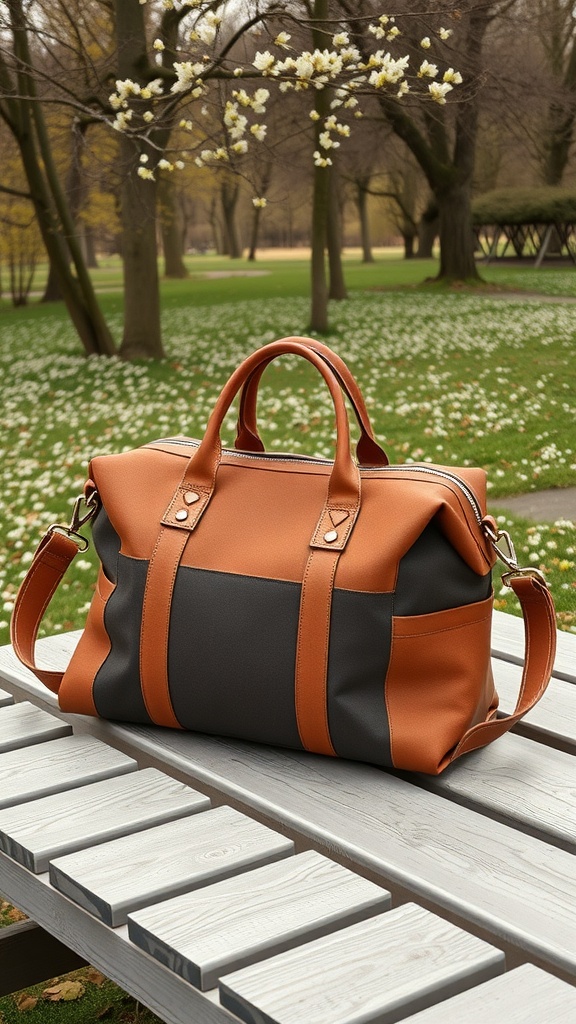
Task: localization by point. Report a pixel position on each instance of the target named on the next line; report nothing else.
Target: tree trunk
(171, 229)
(408, 239)
(428, 231)
(320, 199)
(52, 291)
(26, 122)
(337, 289)
(90, 240)
(229, 195)
(254, 232)
(362, 204)
(457, 262)
(142, 337)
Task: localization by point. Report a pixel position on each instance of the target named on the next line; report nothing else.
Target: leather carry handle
(368, 450)
(197, 484)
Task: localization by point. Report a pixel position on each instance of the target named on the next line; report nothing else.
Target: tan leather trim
(438, 676)
(156, 625)
(76, 692)
(262, 517)
(312, 651)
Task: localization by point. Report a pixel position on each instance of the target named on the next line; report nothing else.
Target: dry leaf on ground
(66, 991)
(25, 1002)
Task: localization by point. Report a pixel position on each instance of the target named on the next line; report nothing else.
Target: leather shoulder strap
(540, 640)
(53, 556)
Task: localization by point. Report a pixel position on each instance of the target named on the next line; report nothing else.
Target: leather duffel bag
(342, 607)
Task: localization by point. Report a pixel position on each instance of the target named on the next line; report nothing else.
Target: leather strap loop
(368, 450)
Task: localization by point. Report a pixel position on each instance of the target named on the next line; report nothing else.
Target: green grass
(83, 997)
(454, 378)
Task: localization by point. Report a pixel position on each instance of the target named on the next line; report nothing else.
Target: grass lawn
(455, 378)
(452, 378)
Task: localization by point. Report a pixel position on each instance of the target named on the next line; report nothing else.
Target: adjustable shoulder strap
(540, 642)
(54, 555)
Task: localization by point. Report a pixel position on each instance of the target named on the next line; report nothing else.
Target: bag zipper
(311, 460)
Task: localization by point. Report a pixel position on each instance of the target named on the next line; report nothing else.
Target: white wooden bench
(217, 880)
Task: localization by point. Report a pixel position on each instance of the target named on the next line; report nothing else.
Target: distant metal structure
(526, 223)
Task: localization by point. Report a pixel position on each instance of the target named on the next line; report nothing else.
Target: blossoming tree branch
(339, 66)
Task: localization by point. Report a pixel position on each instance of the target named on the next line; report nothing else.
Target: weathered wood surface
(553, 720)
(519, 782)
(508, 644)
(526, 995)
(5, 698)
(110, 950)
(405, 960)
(223, 927)
(22, 725)
(94, 814)
(31, 772)
(134, 871)
(29, 955)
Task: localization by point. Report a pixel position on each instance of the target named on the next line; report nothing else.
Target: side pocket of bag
(75, 694)
(439, 683)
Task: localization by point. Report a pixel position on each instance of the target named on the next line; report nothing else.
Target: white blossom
(438, 91)
(259, 202)
(148, 116)
(445, 33)
(452, 76)
(158, 45)
(264, 61)
(427, 70)
(258, 131)
(146, 173)
(282, 39)
(425, 43)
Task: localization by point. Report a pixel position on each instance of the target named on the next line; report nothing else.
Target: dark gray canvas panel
(360, 637)
(117, 692)
(232, 654)
(432, 576)
(107, 544)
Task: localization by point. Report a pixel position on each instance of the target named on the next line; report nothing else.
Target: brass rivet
(331, 536)
(181, 515)
(190, 497)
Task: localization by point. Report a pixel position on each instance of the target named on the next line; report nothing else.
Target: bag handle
(196, 487)
(368, 450)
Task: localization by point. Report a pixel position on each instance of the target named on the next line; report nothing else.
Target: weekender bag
(342, 607)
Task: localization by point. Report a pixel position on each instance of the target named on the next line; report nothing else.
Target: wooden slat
(377, 971)
(517, 887)
(23, 725)
(110, 950)
(519, 782)
(69, 821)
(553, 720)
(5, 699)
(205, 934)
(527, 995)
(57, 765)
(508, 644)
(120, 877)
(29, 955)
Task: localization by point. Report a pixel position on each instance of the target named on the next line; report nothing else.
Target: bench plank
(23, 725)
(521, 889)
(553, 720)
(69, 821)
(243, 919)
(519, 782)
(33, 772)
(29, 955)
(110, 950)
(508, 644)
(5, 699)
(134, 871)
(405, 960)
(527, 995)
